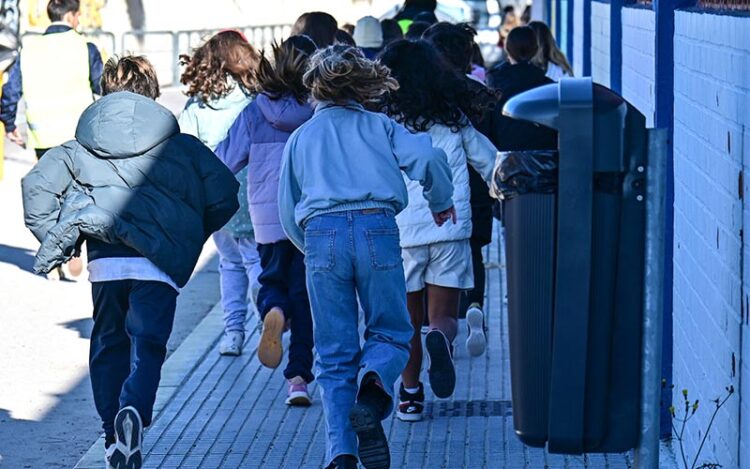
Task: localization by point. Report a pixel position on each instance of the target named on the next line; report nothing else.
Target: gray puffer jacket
(130, 183)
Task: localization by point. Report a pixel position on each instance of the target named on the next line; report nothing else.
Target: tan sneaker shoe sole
(270, 350)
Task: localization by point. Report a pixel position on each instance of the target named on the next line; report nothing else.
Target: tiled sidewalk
(219, 412)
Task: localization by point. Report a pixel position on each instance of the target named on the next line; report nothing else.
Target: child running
(437, 261)
(146, 198)
(340, 189)
(219, 79)
(257, 140)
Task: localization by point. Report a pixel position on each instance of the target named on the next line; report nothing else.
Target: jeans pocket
(385, 248)
(319, 244)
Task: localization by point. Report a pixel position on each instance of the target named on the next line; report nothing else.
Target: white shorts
(445, 264)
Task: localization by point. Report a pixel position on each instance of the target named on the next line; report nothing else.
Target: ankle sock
(412, 390)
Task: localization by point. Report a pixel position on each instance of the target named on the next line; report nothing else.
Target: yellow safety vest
(56, 86)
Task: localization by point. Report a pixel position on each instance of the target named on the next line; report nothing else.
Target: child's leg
(149, 324)
(301, 343)
(415, 303)
(330, 283)
(442, 308)
(250, 259)
(234, 282)
(274, 261)
(109, 357)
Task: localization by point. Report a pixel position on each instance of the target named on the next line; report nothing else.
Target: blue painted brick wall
(600, 42)
(638, 59)
(711, 150)
(577, 63)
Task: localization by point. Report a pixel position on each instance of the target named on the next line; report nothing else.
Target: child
(437, 262)
(219, 81)
(340, 189)
(257, 140)
(146, 198)
(550, 58)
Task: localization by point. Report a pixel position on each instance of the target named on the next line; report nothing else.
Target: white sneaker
(231, 343)
(108, 452)
(55, 274)
(476, 343)
(129, 438)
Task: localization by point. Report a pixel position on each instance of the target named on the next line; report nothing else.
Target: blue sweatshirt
(347, 158)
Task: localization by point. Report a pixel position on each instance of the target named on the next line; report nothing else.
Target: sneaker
(442, 372)
(231, 343)
(410, 406)
(55, 274)
(365, 417)
(108, 452)
(476, 343)
(298, 394)
(129, 437)
(270, 350)
(345, 461)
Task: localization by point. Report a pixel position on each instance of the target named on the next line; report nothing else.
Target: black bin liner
(523, 172)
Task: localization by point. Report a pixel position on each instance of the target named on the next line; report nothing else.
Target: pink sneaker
(298, 394)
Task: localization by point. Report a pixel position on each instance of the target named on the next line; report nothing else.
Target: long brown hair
(548, 50)
(226, 54)
(284, 75)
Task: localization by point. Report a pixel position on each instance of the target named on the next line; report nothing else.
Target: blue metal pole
(586, 38)
(615, 46)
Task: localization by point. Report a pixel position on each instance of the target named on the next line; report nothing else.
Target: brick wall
(578, 37)
(638, 60)
(711, 150)
(600, 42)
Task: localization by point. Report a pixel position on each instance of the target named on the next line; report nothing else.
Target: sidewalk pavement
(220, 412)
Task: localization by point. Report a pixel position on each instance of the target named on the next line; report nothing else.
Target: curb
(178, 367)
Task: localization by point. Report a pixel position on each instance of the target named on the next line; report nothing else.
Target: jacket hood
(237, 96)
(284, 113)
(124, 124)
(512, 79)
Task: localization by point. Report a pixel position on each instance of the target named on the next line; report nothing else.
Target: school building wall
(707, 89)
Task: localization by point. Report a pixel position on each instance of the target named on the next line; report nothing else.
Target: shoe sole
(128, 432)
(230, 352)
(270, 350)
(409, 417)
(373, 445)
(442, 372)
(476, 343)
(75, 267)
(299, 400)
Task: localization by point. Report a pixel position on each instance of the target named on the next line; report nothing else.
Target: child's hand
(444, 216)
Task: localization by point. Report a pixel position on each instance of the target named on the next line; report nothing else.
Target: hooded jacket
(256, 140)
(132, 185)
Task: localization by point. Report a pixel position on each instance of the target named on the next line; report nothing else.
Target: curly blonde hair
(341, 74)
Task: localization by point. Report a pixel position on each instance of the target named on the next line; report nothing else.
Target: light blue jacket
(347, 158)
(210, 122)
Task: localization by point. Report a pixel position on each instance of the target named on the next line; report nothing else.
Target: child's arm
(422, 162)
(480, 152)
(42, 192)
(220, 188)
(234, 150)
(289, 197)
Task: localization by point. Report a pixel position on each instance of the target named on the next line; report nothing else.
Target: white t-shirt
(110, 269)
(555, 72)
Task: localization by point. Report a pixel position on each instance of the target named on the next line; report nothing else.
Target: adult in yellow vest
(57, 74)
(412, 8)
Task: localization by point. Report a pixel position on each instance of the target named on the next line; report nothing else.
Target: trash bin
(575, 230)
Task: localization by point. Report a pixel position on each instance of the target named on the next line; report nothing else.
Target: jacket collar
(323, 105)
(58, 27)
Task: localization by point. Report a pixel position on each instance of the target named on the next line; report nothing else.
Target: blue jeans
(132, 323)
(352, 254)
(282, 285)
(239, 267)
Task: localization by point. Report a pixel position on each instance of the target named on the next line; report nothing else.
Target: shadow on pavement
(20, 257)
(82, 326)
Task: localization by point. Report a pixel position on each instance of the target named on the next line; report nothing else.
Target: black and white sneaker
(442, 372)
(129, 437)
(410, 406)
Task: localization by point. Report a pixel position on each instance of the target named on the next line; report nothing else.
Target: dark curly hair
(284, 74)
(454, 41)
(226, 54)
(430, 90)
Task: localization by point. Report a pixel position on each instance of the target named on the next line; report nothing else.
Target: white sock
(412, 390)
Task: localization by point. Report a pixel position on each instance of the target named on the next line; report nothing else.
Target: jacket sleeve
(12, 92)
(220, 188)
(234, 150)
(289, 197)
(422, 162)
(188, 122)
(480, 152)
(43, 189)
